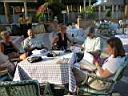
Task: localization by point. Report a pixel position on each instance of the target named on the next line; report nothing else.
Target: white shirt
(91, 45)
(113, 64)
(32, 43)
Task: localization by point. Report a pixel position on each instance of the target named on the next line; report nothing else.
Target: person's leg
(80, 76)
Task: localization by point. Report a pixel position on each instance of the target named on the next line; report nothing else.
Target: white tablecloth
(46, 70)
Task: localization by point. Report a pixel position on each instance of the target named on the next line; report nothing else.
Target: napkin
(63, 61)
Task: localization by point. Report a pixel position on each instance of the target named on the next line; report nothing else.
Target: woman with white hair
(7, 47)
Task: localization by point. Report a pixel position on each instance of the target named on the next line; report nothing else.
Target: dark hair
(91, 31)
(116, 44)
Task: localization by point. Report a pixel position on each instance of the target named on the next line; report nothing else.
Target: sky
(100, 1)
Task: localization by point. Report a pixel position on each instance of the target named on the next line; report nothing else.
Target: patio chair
(5, 76)
(86, 90)
(19, 88)
(55, 90)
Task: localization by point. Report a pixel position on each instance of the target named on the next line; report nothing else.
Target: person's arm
(1, 48)
(83, 45)
(101, 72)
(55, 41)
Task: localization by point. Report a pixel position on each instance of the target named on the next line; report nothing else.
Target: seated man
(7, 47)
(30, 43)
(92, 44)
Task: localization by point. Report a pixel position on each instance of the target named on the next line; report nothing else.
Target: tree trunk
(126, 11)
(6, 11)
(90, 2)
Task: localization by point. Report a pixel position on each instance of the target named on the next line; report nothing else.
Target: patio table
(46, 70)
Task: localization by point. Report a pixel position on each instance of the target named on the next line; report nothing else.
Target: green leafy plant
(89, 11)
(41, 11)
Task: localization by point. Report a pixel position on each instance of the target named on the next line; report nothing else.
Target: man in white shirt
(31, 42)
(92, 44)
(92, 49)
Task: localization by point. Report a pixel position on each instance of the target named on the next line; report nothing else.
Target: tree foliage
(89, 11)
(54, 5)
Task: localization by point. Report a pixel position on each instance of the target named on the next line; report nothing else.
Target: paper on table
(43, 51)
(88, 57)
(63, 61)
(87, 65)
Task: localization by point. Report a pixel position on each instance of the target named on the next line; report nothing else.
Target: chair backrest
(120, 71)
(19, 88)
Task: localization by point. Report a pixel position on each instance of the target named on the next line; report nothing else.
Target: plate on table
(58, 52)
(45, 58)
(42, 51)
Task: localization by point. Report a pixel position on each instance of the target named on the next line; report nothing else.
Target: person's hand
(97, 64)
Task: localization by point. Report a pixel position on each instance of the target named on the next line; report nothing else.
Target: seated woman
(60, 42)
(109, 67)
(7, 47)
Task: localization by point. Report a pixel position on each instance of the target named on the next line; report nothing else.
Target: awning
(108, 2)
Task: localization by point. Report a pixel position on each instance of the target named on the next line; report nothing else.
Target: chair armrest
(103, 79)
(15, 60)
(93, 75)
(3, 72)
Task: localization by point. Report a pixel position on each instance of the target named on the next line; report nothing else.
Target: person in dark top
(61, 40)
(7, 47)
